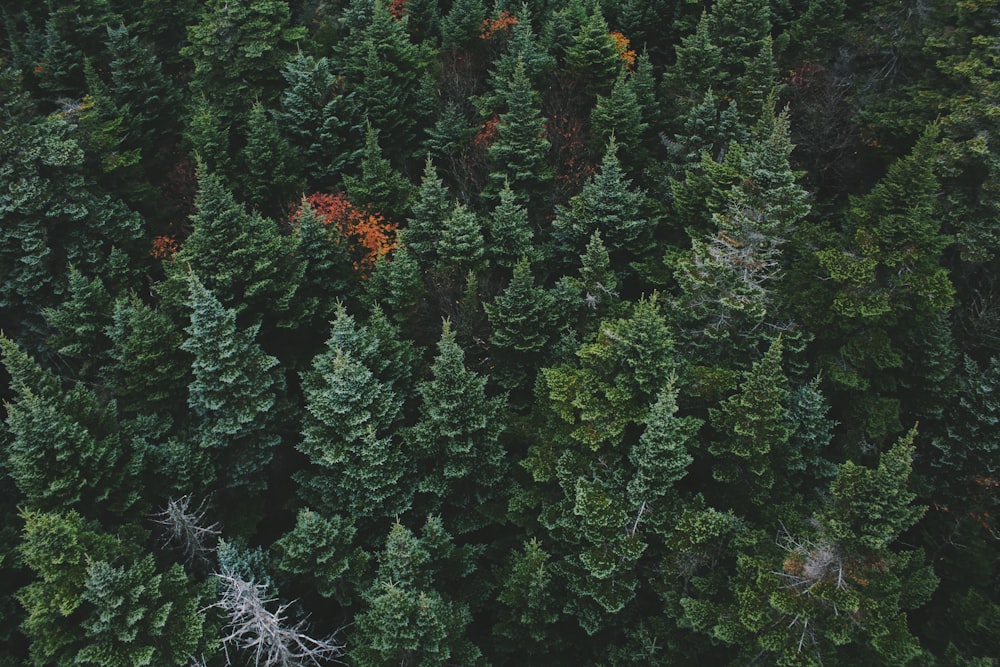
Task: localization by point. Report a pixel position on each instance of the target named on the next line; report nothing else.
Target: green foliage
(232, 392)
(609, 205)
(462, 462)
(237, 49)
(317, 550)
(66, 448)
(242, 257)
(380, 187)
(270, 176)
(405, 617)
(313, 115)
(96, 601)
(517, 157)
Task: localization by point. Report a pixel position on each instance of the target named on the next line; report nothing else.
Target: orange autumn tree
(367, 234)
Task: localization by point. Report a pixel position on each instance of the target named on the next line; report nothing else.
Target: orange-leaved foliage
(621, 46)
(398, 9)
(367, 234)
(501, 25)
(164, 247)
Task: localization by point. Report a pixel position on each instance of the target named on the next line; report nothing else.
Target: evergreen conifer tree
(517, 157)
(232, 394)
(462, 462)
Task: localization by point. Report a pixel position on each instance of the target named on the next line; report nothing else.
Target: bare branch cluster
(255, 630)
(185, 529)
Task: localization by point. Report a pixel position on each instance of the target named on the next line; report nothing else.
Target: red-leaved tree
(367, 234)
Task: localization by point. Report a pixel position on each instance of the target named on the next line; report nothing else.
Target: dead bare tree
(256, 631)
(185, 529)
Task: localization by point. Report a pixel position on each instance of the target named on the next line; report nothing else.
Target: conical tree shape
(79, 322)
(607, 204)
(138, 82)
(242, 257)
(461, 245)
(148, 373)
(271, 175)
(360, 469)
(509, 232)
(313, 116)
(592, 57)
(522, 319)
(661, 457)
(380, 187)
(431, 208)
(462, 462)
(517, 157)
(619, 116)
(66, 449)
(753, 423)
(406, 617)
(232, 393)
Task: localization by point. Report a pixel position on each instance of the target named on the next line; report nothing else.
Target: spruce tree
(523, 324)
(752, 424)
(232, 394)
(406, 617)
(237, 49)
(359, 469)
(270, 177)
(66, 449)
(313, 116)
(242, 257)
(517, 157)
(431, 207)
(509, 233)
(98, 601)
(462, 462)
(608, 204)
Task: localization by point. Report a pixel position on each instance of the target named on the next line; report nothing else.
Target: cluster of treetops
(648, 332)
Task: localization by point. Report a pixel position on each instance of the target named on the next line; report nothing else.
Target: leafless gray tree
(253, 630)
(185, 529)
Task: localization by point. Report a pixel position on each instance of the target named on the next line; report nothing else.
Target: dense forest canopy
(441, 332)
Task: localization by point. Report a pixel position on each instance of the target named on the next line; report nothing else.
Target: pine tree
(461, 247)
(242, 257)
(379, 187)
(147, 371)
(608, 205)
(461, 459)
(237, 49)
(517, 157)
(66, 448)
(232, 394)
(314, 116)
(661, 457)
(406, 618)
(96, 601)
(270, 177)
(885, 278)
(385, 74)
(619, 116)
(78, 323)
(347, 435)
(431, 207)
(509, 233)
(318, 551)
(522, 320)
(53, 215)
(461, 26)
(138, 83)
(592, 57)
(752, 424)
(328, 275)
(207, 134)
(696, 68)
